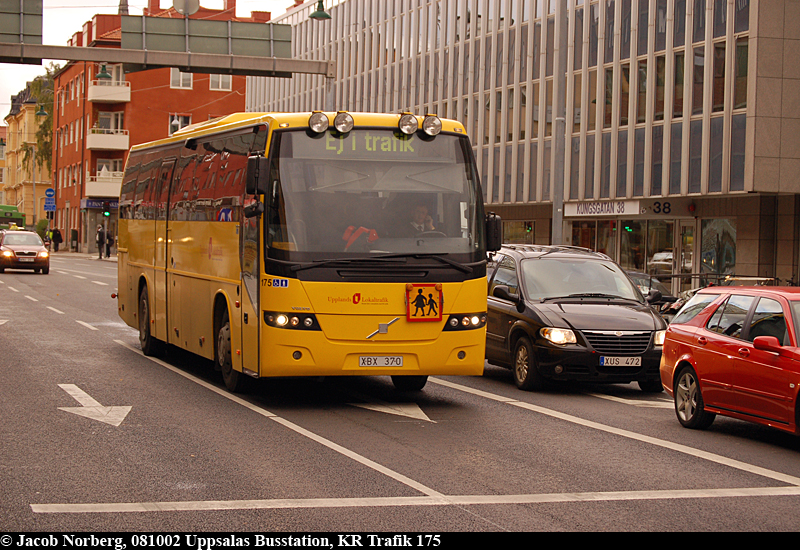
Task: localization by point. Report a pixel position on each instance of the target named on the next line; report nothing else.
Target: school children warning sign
(424, 302)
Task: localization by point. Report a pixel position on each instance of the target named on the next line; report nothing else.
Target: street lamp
(320, 12)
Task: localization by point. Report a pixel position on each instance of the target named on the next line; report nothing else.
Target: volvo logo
(383, 328)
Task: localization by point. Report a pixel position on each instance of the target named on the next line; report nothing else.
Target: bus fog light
(559, 369)
(343, 122)
(461, 354)
(296, 355)
(318, 122)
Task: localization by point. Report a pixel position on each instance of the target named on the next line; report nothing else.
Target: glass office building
(683, 116)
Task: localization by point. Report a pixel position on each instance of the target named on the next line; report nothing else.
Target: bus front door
(248, 256)
(160, 200)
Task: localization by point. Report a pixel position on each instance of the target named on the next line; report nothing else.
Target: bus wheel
(409, 383)
(150, 345)
(233, 379)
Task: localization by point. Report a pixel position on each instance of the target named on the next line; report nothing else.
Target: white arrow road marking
(92, 409)
(410, 410)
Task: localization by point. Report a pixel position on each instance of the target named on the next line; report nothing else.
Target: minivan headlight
(558, 336)
(660, 337)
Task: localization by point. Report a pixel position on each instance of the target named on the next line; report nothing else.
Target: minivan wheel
(689, 404)
(526, 375)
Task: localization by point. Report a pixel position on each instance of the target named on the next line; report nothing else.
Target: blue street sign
(49, 192)
(50, 207)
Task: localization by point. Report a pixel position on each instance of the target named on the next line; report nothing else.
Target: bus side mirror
(494, 232)
(257, 172)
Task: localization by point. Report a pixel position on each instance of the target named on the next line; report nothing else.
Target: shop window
(518, 232)
(718, 246)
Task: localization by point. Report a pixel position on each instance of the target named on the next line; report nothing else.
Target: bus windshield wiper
(438, 257)
(342, 261)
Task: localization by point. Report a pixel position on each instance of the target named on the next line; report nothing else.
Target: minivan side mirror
(257, 176)
(494, 232)
(653, 296)
(502, 292)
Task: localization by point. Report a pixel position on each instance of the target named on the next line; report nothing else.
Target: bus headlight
(296, 321)
(343, 122)
(318, 122)
(408, 124)
(432, 125)
(558, 336)
(465, 321)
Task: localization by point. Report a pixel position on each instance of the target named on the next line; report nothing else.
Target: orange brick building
(99, 113)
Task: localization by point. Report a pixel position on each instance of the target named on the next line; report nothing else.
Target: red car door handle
(744, 352)
(702, 340)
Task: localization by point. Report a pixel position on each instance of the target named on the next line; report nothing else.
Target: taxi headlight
(343, 122)
(408, 124)
(8, 254)
(318, 122)
(558, 336)
(660, 337)
(43, 254)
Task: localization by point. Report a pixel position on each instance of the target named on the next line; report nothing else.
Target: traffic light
(106, 209)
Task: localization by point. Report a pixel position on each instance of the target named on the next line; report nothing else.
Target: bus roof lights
(432, 125)
(408, 123)
(318, 122)
(343, 122)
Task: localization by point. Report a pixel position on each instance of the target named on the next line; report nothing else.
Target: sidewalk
(83, 255)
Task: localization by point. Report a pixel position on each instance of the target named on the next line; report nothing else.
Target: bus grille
(629, 343)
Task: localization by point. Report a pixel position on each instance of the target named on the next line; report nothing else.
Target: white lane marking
(296, 428)
(62, 272)
(54, 309)
(92, 409)
(3, 321)
(78, 277)
(87, 325)
(445, 500)
(778, 476)
(409, 410)
(634, 402)
(12, 288)
(99, 283)
(31, 298)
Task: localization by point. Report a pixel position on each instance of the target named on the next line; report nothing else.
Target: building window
(176, 122)
(221, 82)
(518, 232)
(179, 79)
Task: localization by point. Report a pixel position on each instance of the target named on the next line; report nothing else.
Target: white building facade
(683, 116)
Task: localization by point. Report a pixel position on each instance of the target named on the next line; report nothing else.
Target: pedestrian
(109, 240)
(57, 239)
(100, 238)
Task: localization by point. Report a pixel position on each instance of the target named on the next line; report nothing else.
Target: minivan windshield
(548, 277)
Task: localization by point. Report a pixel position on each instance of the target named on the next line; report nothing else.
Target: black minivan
(565, 313)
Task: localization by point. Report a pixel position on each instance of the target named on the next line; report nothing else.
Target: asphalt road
(96, 437)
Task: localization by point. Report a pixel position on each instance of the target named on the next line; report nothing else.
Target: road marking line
(54, 309)
(99, 283)
(778, 476)
(78, 277)
(12, 288)
(31, 298)
(444, 500)
(87, 325)
(296, 428)
(635, 402)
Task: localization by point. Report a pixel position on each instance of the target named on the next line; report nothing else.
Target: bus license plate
(620, 361)
(380, 361)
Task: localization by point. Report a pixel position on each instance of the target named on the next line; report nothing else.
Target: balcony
(104, 184)
(107, 91)
(106, 139)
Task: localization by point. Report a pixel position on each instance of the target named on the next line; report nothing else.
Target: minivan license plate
(620, 361)
(380, 361)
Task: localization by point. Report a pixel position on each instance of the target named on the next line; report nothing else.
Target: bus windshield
(371, 192)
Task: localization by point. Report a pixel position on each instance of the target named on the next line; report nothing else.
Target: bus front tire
(234, 380)
(409, 383)
(150, 345)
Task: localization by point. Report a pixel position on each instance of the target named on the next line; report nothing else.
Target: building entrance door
(685, 258)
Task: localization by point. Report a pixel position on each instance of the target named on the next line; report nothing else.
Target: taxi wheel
(234, 380)
(409, 383)
(150, 345)
(526, 375)
(46, 270)
(689, 401)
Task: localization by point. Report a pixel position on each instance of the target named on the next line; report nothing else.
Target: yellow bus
(283, 244)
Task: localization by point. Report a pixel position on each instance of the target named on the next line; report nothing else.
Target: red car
(734, 351)
(23, 250)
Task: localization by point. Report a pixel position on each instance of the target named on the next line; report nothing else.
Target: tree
(42, 92)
